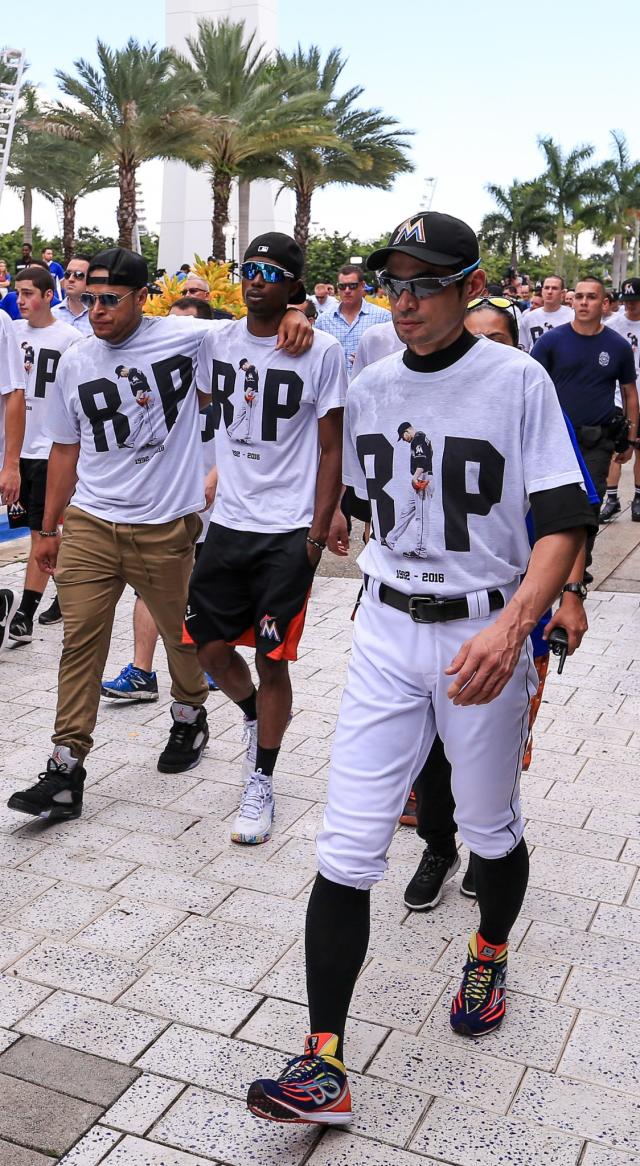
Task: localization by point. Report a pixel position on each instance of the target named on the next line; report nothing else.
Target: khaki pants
(96, 560)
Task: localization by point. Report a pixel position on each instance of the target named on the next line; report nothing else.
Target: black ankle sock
(636, 492)
(29, 603)
(249, 706)
(266, 759)
(500, 888)
(336, 941)
(612, 492)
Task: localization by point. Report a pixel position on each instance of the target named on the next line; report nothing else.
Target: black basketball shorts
(33, 487)
(251, 589)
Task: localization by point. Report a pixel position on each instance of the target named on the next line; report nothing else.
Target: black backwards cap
(125, 268)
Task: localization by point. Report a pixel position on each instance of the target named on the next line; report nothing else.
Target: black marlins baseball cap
(274, 247)
(126, 268)
(630, 290)
(433, 238)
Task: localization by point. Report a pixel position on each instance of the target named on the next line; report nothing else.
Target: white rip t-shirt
(377, 342)
(41, 349)
(630, 330)
(11, 370)
(448, 460)
(536, 322)
(134, 409)
(266, 410)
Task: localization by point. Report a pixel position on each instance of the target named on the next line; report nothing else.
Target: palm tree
(369, 149)
(570, 184)
(72, 172)
(25, 161)
(256, 111)
(520, 218)
(615, 218)
(133, 107)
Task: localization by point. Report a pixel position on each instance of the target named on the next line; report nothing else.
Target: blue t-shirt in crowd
(585, 369)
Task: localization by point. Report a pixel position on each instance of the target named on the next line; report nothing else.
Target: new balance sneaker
(187, 739)
(250, 739)
(480, 1005)
(611, 507)
(52, 614)
(311, 1088)
(425, 889)
(254, 819)
(8, 607)
(132, 684)
(21, 628)
(635, 509)
(409, 816)
(57, 792)
(211, 684)
(468, 884)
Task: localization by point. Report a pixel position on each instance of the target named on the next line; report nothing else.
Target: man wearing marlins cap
(441, 637)
(132, 460)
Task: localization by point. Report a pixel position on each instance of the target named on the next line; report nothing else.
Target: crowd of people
(208, 463)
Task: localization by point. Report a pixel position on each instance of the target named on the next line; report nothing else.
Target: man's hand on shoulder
(295, 334)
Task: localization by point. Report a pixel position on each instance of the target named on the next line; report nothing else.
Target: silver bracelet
(48, 533)
(314, 543)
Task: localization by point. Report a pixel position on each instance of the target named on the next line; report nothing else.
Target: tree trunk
(27, 211)
(221, 189)
(126, 213)
(514, 251)
(624, 261)
(616, 266)
(68, 227)
(303, 218)
(244, 207)
(560, 246)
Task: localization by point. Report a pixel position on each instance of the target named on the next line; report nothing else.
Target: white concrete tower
(186, 195)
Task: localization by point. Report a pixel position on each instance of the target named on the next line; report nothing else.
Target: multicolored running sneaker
(480, 1005)
(311, 1088)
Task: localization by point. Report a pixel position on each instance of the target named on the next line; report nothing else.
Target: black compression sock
(500, 889)
(336, 941)
(266, 760)
(249, 706)
(29, 603)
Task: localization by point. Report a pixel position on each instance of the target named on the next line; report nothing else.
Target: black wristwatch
(576, 589)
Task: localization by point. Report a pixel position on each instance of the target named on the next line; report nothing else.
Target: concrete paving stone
(147, 786)
(14, 943)
(604, 1156)
(117, 1033)
(191, 1000)
(209, 798)
(614, 822)
(18, 887)
(527, 974)
(412, 946)
(52, 914)
(178, 855)
(554, 697)
(142, 1104)
(541, 810)
(634, 896)
(129, 928)
(603, 1050)
(17, 997)
(222, 1128)
(459, 1134)
(573, 1107)
(384, 1110)
(617, 776)
(135, 1152)
(533, 1032)
(596, 797)
(42, 1119)
(218, 951)
(63, 965)
(338, 1147)
(396, 997)
(267, 912)
(579, 874)
(7, 1039)
(556, 741)
(80, 833)
(16, 847)
(12, 1155)
(458, 1073)
(584, 842)
(631, 852)
(582, 948)
(287, 980)
(79, 866)
(617, 922)
(552, 907)
(558, 766)
(285, 879)
(599, 701)
(178, 891)
(282, 1025)
(92, 1148)
(146, 819)
(600, 992)
(208, 1059)
(78, 1074)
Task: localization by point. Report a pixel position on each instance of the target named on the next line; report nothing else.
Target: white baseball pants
(394, 702)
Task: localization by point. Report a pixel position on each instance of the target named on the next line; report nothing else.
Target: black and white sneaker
(187, 740)
(58, 791)
(8, 607)
(425, 889)
(52, 614)
(468, 884)
(21, 629)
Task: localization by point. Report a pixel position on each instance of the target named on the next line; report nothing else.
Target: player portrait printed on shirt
(413, 516)
(143, 433)
(29, 355)
(241, 427)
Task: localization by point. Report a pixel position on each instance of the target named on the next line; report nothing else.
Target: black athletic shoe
(8, 607)
(611, 507)
(185, 745)
(425, 889)
(468, 884)
(57, 792)
(635, 509)
(21, 629)
(52, 614)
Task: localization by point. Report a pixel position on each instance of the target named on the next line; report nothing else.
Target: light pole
(230, 236)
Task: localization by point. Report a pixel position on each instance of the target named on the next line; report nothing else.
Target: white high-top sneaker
(254, 819)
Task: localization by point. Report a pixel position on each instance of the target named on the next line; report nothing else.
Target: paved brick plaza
(151, 968)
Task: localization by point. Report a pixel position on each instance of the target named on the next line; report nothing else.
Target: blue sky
(478, 84)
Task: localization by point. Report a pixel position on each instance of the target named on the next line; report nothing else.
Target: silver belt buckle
(428, 601)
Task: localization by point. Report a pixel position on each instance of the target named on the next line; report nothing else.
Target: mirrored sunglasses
(269, 272)
(422, 286)
(105, 299)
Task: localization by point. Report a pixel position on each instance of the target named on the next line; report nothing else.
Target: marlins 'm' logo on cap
(411, 229)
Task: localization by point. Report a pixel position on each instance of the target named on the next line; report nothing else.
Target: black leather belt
(431, 608)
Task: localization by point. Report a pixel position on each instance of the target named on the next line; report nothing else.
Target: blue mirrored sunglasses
(269, 272)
